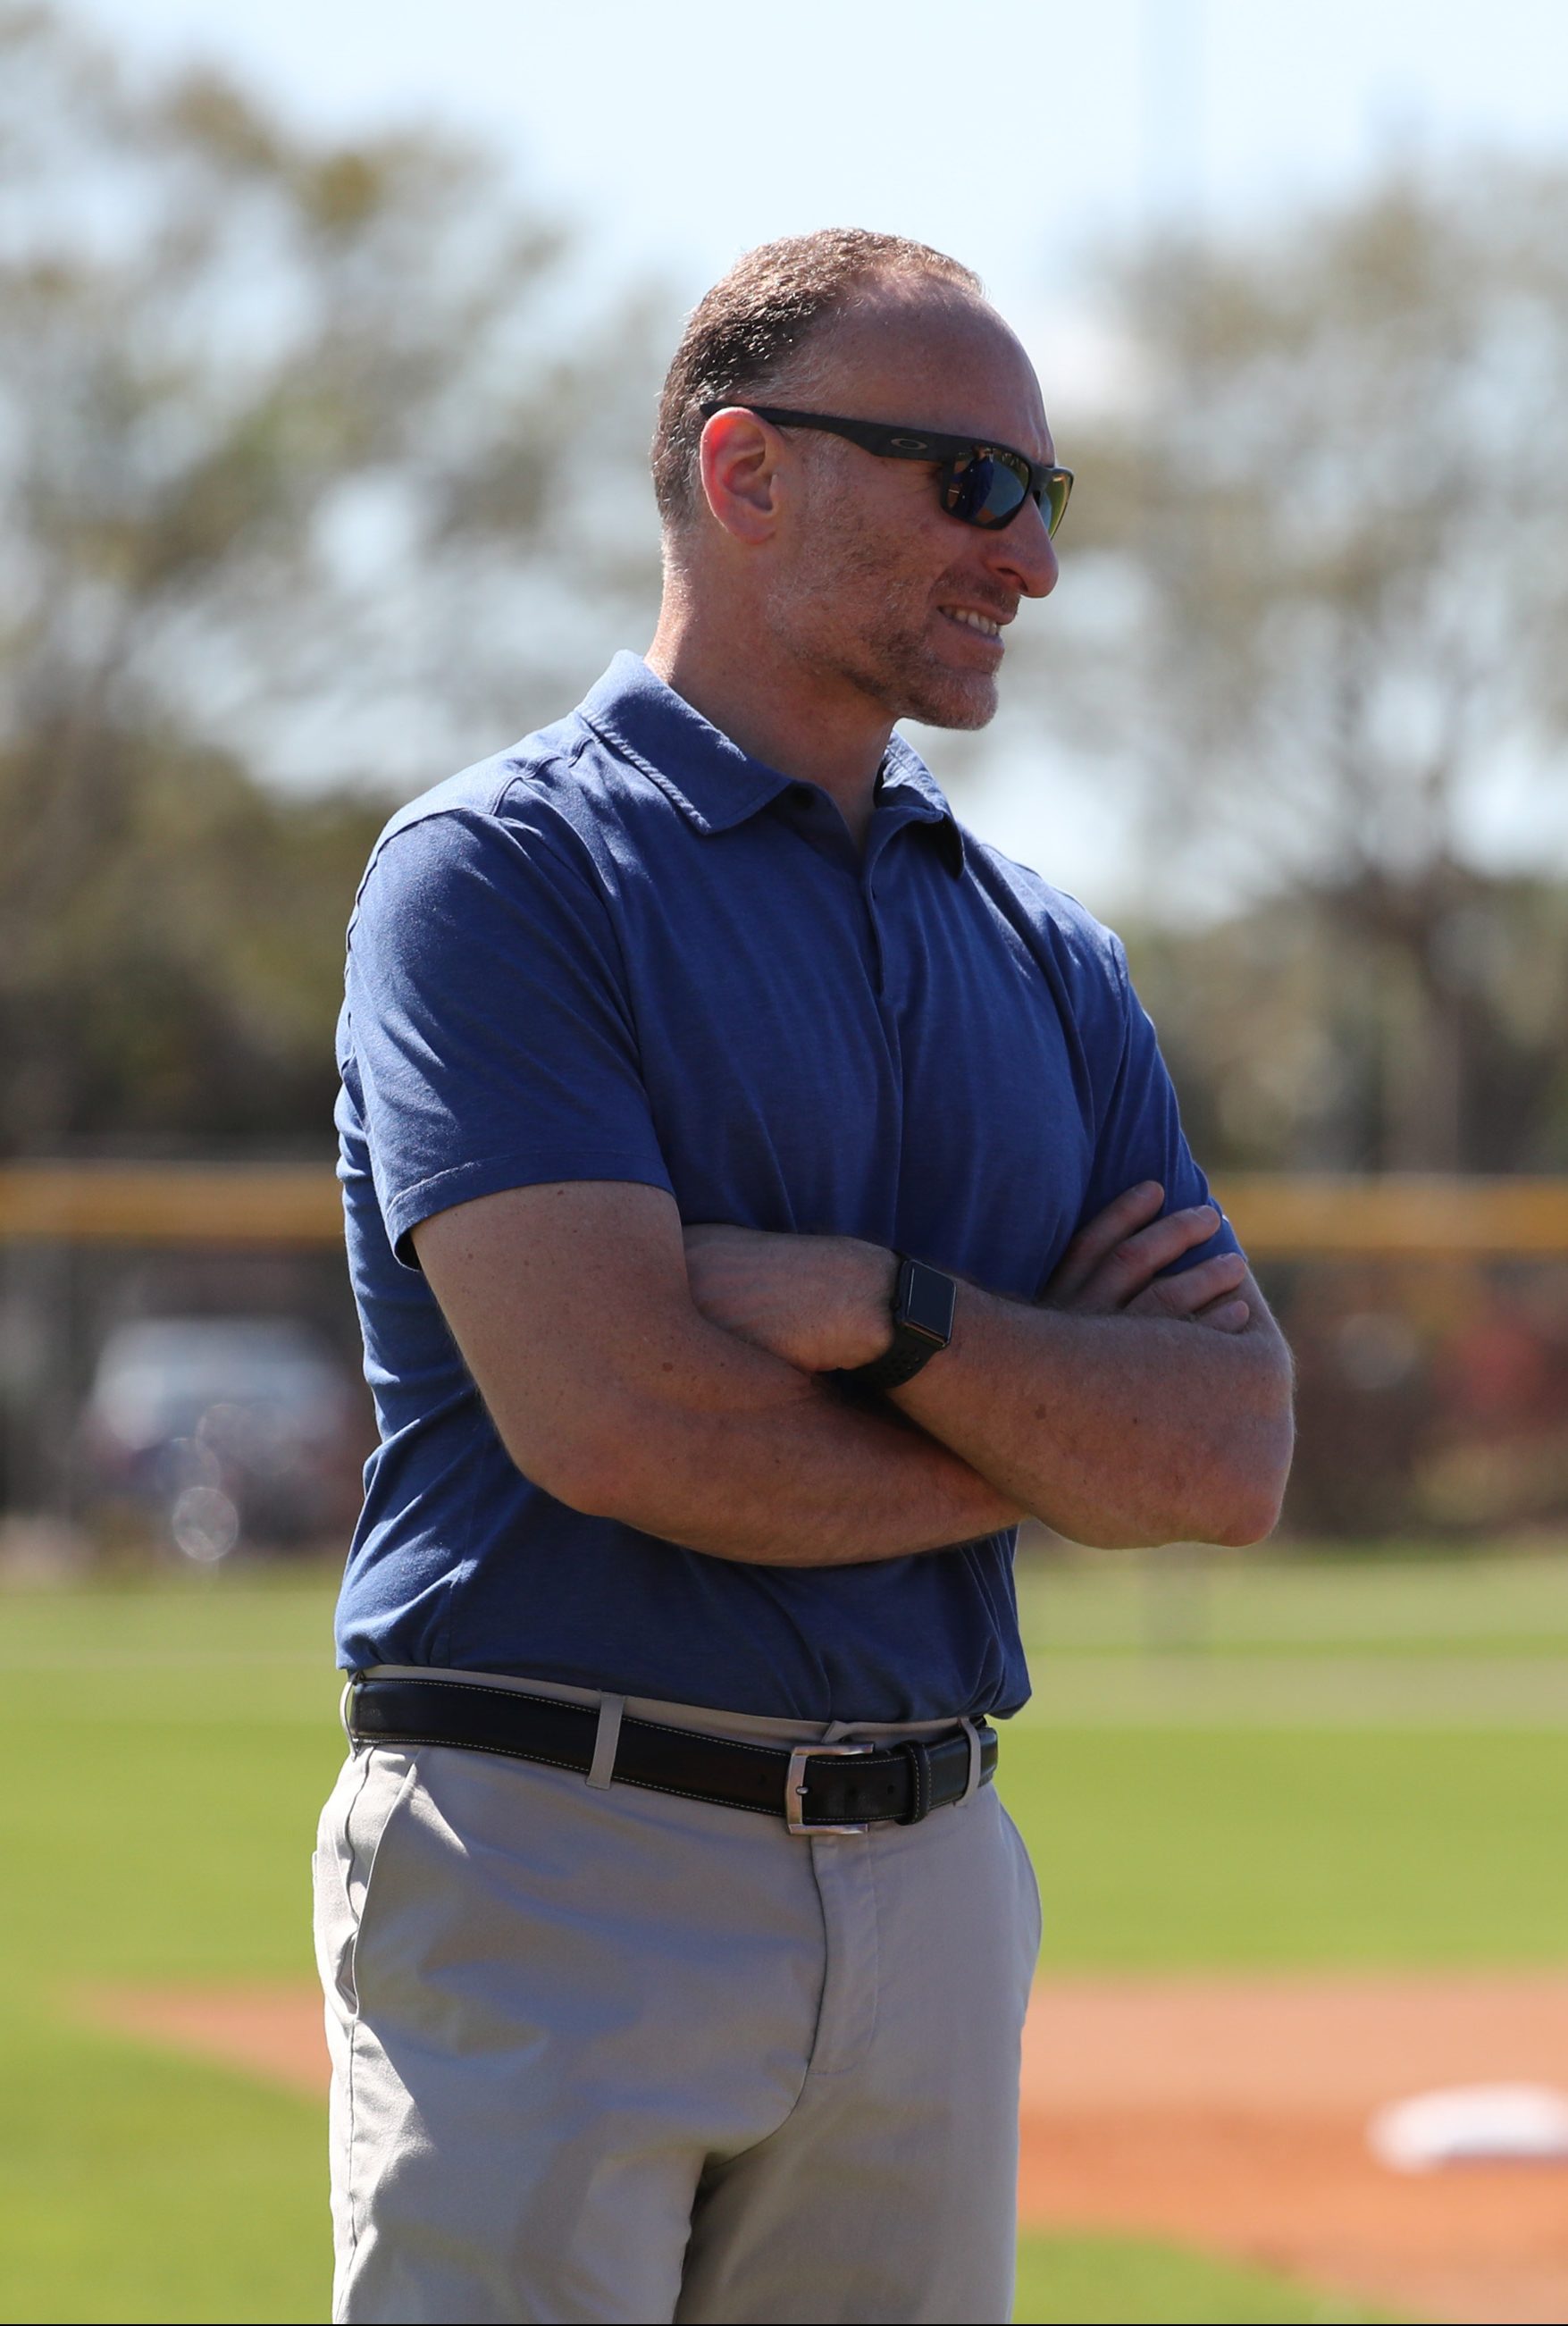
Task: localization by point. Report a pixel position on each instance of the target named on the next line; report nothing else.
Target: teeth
(981, 622)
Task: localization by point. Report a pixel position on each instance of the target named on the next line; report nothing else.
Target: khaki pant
(604, 2054)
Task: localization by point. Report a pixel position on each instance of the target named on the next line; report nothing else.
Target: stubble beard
(858, 621)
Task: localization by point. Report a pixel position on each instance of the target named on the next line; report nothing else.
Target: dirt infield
(1227, 2113)
(1232, 2114)
(272, 2032)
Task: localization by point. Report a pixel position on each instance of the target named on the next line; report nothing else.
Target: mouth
(978, 624)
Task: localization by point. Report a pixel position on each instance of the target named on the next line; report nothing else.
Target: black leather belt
(815, 1788)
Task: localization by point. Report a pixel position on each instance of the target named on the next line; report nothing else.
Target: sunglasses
(980, 484)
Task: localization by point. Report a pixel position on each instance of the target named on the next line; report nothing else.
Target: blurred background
(331, 336)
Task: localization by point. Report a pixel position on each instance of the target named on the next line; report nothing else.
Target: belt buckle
(795, 1785)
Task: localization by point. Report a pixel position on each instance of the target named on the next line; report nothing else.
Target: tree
(309, 507)
(1321, 596)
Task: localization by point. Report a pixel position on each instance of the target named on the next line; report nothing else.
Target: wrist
(917, 1325)
(871, 1280)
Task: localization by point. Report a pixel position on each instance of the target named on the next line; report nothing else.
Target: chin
(909, 681)
(951, 699)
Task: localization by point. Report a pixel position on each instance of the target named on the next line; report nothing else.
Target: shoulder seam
(489, 809)
(519, 767)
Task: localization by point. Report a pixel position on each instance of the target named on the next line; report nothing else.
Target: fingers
(1204, 1294)
(1196, 1287)
(1141, 1258)
(1137, 1260)
(1095, 1242)
(1225, 1315)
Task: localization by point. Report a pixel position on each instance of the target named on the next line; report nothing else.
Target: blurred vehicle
(223, 1428)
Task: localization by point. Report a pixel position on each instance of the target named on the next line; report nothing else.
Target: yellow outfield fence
(278, 1203)
(1404, 1214)
(296, 1205)
(1428, 1315)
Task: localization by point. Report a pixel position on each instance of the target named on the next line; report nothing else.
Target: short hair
(759, 316)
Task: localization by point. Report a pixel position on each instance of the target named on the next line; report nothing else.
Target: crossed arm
(673, 1380)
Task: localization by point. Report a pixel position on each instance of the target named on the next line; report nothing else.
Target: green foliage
(178, 976)
(291, 535)
(1285, 1026)
(1317, 587)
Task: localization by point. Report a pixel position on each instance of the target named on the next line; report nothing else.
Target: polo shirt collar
(907, 782)
(713, 782)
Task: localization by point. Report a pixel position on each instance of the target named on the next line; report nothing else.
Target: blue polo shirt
(626, 950)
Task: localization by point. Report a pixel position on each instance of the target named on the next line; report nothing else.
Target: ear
(740, 457)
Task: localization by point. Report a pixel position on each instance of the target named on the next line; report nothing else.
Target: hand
(819, 1302)
(1112, 1266)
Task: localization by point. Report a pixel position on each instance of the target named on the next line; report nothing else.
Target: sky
(1020, 137)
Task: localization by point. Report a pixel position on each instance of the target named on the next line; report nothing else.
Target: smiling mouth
(986, 624)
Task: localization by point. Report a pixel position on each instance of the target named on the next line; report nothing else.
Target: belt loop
(973, 1787)
(607, 1739)
(919, 1760)
(343, 1708)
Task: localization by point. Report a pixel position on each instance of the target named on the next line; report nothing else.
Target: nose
(1023, 556)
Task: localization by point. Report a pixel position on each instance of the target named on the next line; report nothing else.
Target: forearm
(1116, 1430)
(1133, 1405)
(571, 1304)
(740, 1455)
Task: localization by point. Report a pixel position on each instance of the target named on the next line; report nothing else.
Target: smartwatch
(922, 1307)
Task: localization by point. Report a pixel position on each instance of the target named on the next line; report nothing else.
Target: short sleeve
(488, 1028)
(1140, 1135)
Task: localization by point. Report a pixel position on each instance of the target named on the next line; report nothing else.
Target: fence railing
(297, 1204)
(1428, 1318)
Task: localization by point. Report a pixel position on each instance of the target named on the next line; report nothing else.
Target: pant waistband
(711, 1719)
(814, 1785)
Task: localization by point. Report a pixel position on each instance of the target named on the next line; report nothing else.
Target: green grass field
(1288, 1765)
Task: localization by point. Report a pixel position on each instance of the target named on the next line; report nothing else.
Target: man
(761, 1195)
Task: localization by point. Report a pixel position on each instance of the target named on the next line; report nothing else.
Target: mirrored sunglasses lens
(988, 489)
(1000, 490)
(960, 485)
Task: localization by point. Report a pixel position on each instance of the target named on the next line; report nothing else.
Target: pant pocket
(348, 1841)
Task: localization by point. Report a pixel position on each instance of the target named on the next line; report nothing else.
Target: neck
(773, 710)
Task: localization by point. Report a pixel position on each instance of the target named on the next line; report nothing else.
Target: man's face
(876, 587)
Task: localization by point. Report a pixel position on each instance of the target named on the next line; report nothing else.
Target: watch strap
(924, 1299)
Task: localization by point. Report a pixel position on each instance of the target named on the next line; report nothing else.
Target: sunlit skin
(811, 604)
(815, 599)
(811, 599)
(663, 1373)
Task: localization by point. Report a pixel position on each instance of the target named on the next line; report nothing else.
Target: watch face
(927, 1304)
